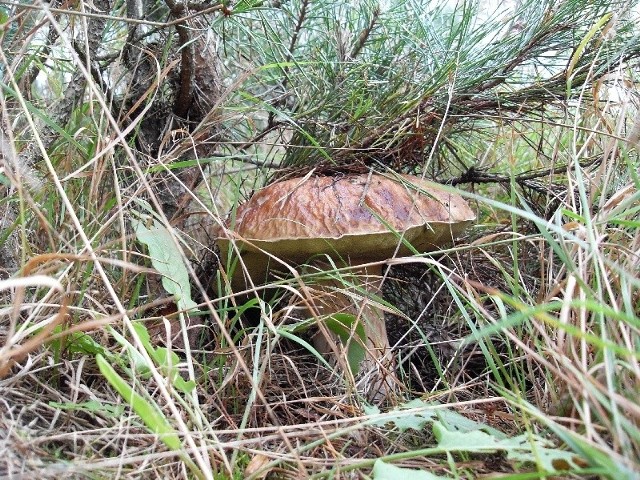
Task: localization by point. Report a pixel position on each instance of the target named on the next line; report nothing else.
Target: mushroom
(359, 219)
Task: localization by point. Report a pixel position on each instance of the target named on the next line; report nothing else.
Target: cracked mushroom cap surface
(361, 217)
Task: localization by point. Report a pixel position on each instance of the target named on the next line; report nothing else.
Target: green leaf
(596, 456)
(577, 54)
(244, 6)
(385, 471)
(78, 342)
(91, 406)
(417, 413)
(521, 449)
(467, 441)
(4, 180)
(344, 325)
(456, 433)
(405, 420)
(453, 420)
(146, 409)
(167, 260)
(137, 361)
(165, 359)
(286, 333)
(185, 386)
(44, 115)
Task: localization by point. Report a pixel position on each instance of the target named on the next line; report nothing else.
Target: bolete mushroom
(358, 219)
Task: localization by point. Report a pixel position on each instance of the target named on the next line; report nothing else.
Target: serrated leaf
(402, 419)
(386, 471)
(456, 433)
(147, 410)
(547, 458)
(455, 421)
(468, 441)
(593, 455)
(521, 449)
(167, 260)
(422, 412)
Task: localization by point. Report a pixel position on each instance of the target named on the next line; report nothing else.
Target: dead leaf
(256, 468)
(620, 196)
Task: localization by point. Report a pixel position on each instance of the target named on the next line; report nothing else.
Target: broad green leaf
(146, 409)
(386, 471)
(166, 360)
(344, 325)
(185, 386)
(143, 333)
(167, 260)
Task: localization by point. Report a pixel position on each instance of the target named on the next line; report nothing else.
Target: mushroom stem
(375, 369)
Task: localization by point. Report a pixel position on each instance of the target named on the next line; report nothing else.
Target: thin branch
(474, 175)
(74, 13)
(364, 34)
(184, 98)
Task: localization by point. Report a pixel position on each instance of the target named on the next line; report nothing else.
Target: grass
(124, 350)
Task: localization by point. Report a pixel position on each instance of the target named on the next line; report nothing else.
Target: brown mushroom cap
(360, 217)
